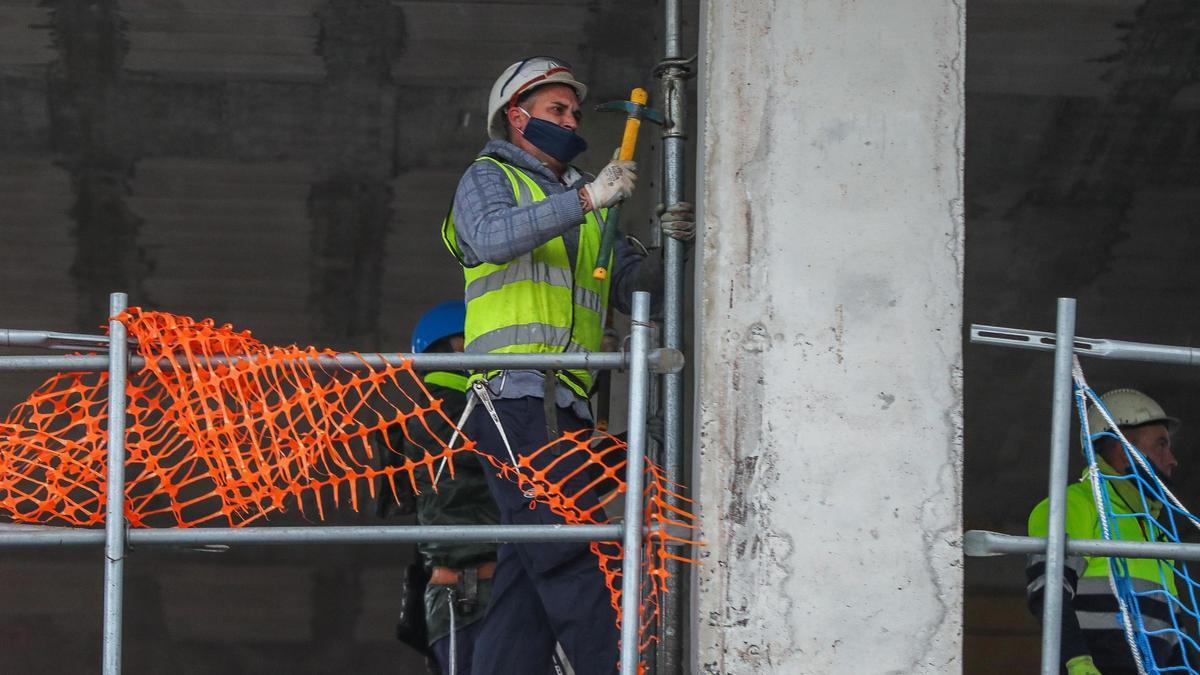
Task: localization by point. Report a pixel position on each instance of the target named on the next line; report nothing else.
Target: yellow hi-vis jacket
(538, 302)
(1085, 579)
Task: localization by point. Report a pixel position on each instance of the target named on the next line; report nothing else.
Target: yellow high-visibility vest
(537, 303)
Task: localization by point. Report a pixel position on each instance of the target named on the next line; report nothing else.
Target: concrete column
(828, 442)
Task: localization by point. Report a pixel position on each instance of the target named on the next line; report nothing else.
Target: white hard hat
(519, 78)
(1129, 408)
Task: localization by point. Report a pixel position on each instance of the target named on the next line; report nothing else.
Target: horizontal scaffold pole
(660, 361)
(51, 340)
(40, 535)
(32, 536)
(1098, 348)
(981, 543)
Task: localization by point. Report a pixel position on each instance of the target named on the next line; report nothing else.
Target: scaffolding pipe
(114, 506)
(1055, 545)
(631, 563)
(37, 536)
(659, 361)
(1097, 348)
(980, 543)
(51, 340)
(1060, 427)
(673, 73)
(641, 361)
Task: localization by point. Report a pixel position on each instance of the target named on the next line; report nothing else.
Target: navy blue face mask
(561, 144)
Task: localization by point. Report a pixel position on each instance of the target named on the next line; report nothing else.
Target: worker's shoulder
(1080, 509)
(486, 165)
(1077, 494)
(483, 182)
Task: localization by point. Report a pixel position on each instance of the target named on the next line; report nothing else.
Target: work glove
(613, 184)
(1082, 665)
(679, 221)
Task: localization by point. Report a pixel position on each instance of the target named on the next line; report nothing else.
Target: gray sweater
(491, 228)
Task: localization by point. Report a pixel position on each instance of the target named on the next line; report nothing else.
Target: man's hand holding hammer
(613, 184)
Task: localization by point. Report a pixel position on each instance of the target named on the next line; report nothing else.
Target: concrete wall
(828, 325)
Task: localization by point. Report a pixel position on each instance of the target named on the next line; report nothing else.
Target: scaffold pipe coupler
(665, 360)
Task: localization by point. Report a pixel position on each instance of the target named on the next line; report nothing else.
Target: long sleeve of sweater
(492, 228)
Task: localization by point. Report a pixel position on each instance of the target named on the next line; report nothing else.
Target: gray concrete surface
(829, 378)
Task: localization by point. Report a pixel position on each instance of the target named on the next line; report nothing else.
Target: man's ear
(516, 119)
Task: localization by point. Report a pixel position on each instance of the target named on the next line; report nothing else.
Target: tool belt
(448, 576)
(464, 584)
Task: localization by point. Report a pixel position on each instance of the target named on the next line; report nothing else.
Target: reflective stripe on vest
(525, 269)
(1097, 607)
(1151, 580)
(539, 302)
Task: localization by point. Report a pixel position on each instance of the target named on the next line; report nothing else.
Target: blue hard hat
(439, 322)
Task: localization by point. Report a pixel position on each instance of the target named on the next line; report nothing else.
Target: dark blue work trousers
(464, 648)
(541, 592)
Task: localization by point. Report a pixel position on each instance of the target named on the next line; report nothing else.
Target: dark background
(1082, 169)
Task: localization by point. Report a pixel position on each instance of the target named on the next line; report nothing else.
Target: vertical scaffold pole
(674, 102)
(1060, 429)
(631, 563)
(114, 520)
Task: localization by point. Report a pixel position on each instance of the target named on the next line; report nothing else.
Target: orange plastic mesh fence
(229, 444)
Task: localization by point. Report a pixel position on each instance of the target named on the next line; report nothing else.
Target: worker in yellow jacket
(526, 228)
(1093, 640)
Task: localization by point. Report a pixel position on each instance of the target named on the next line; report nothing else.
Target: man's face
(1155, 443)
(555, 103)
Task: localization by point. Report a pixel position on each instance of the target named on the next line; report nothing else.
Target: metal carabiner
(480, 387)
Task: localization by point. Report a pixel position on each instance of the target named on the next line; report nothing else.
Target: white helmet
(1129, 408)
(519, 78)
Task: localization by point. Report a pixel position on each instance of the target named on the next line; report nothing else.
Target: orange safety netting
(210, 442)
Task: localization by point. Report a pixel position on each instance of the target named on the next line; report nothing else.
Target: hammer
(636, 111)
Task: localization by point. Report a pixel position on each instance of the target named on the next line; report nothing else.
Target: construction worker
(459, 576)
(1093, 640)
(525, 226)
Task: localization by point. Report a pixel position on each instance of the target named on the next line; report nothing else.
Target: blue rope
(1166, 528)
